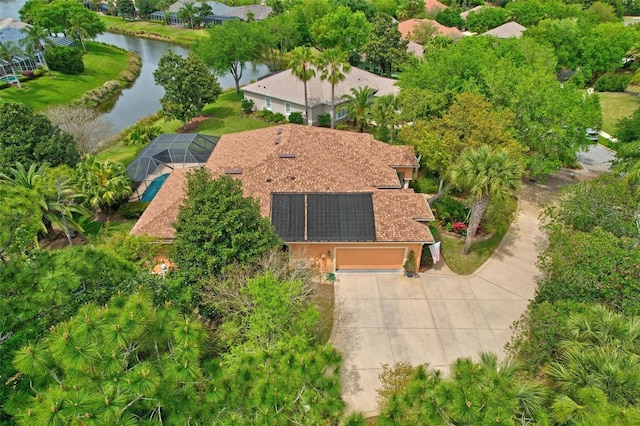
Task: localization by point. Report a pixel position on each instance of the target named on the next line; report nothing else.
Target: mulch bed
(193, 125)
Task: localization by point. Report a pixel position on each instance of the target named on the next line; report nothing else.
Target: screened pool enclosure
(167, 152)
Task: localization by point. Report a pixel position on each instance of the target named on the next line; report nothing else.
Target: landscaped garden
(102, 63)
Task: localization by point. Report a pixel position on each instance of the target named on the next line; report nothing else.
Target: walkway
(439, 317)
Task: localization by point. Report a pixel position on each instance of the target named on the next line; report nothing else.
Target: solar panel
(340, 217)
(287, 216)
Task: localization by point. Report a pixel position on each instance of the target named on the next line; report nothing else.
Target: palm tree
(34, 39)
(80, 28)
(60, 202)
(187, 13)
(486, 173)
(385, 113)
(8, 51)
(359, 105)
(302, 67)
(334, 65)
(105, 182)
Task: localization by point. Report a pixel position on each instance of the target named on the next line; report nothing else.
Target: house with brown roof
(339, 200)
(432, 7)
(410, 25)
(508, 30)
(284, 93)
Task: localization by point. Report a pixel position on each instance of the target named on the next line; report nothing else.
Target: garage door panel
(369, 258)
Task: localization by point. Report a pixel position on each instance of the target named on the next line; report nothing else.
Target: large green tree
(223, 51)
(341, 29)
(333, 64)
(385, 48)
(29, 137)
(303, 67)
(485, 173)
(483, 393)
(34, 40)
(188, 84)
(117, 363)
(217, 226)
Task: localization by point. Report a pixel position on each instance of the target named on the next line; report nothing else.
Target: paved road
(596, 159)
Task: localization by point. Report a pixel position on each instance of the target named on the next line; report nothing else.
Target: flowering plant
(459, 227)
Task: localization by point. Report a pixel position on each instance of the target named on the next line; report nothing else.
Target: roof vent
(233, 172)
(287, 155)
(269, 179)
(278, 140)
(280, 130)
(292, 177)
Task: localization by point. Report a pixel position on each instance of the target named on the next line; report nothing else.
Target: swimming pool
(153, 188)
(8, 79)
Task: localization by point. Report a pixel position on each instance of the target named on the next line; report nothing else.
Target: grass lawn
(148, 29)
(101, 63)
(478, 254)
(226, 117)
(616, 106)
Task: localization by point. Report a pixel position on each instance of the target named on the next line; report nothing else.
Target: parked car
(593, 134)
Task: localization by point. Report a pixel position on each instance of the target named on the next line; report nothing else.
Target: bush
(278, 118)
(4, 84)
(425, 185)
(28, 74)
(67, 60)
(296, 118)
(38, 72)
(247, 105)
(450, 17)
(612, 82)
(266, 115)
(449, 210)
(324, 120)
(141, 134)
(23, 78)
(133, 210)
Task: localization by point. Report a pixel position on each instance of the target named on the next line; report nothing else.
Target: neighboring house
(508, 30)
(220, 13)
(338, 199)
(466, 13)
(432, 7)
(410, 25)
(415, 48)
(11, 31)
(284, 93)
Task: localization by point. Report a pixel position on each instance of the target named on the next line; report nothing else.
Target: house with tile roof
(432, 7)
(284, 93)
(340, 200)
(410, 25)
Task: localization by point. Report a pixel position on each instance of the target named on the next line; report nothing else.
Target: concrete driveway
(436, 318)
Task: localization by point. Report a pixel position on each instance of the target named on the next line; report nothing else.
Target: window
(287, 108)
(267, 103)
(341, 113)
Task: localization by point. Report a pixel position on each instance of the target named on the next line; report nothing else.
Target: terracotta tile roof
(415, 48)
(433, 6)
(408, 26)
(323, 160)
(284, 85)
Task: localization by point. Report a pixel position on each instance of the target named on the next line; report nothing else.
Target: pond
(142, 98)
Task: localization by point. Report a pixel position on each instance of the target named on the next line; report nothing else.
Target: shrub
(612, 82)
(247, 105)
(141, 134)
(296, 118)
(459, 227)
(28, 74)
(449, 210)
(23, 78)
(133, 210)
(324, 120)
(278, 118)
(38, 72)
(4, 84)
(425, 185)
(266, 115)
(67, 60)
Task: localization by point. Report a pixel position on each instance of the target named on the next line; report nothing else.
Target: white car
(593, 134)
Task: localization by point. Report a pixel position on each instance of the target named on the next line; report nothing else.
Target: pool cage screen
(168, 152)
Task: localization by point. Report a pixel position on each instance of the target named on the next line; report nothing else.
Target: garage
(370, 258)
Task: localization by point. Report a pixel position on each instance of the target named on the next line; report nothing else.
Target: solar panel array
(325, 217)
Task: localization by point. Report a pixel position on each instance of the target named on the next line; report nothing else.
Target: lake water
(142, 98)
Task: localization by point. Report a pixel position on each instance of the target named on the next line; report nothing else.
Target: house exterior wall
(279, 105)
(322, 256)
